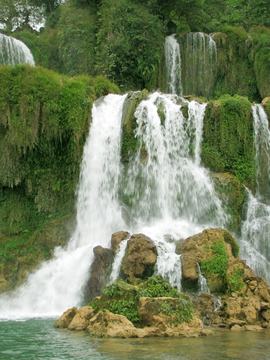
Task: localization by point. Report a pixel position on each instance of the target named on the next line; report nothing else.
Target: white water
(173, 65)
(173, 197)
(116, 266)
(13, 51)
(202, 281)
(255, 245)
(56, 285)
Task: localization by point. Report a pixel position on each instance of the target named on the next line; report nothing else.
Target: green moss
(228, 138)
(235, 282)
(218, 264)
(181, 310)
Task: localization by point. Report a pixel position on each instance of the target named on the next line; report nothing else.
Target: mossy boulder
(213, 249)
(140, 258)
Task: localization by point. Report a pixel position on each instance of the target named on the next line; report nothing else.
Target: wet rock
(81, 319)
(64, 321)
(117, 238)
(140, 257)
(99, 272)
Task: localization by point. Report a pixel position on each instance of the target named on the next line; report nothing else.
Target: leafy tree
(18, 14)
(130, 40)
(77, 41)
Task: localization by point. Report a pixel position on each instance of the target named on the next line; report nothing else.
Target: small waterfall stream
(191, 64)
(255, 245)
(13, 51)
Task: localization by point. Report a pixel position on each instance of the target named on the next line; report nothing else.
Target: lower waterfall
(162, 192)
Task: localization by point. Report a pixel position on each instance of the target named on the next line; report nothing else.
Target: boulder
(64, 321)
(117, 238)
(98, 272)
(81, 319)
(107, 324)
(140, 257)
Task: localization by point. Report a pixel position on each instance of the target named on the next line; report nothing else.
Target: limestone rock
(66, 318)
(81, 319)
(117, 238)
(140, 257)
(106, 324)
(98, 272)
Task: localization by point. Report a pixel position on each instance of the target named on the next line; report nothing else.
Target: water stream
(13, 51)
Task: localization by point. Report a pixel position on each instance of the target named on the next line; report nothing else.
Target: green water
(38, 339)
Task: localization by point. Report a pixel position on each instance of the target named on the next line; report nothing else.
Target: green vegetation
(43, 124)
(181, 310)
(123, 299)
(230, 240)
(235, 282)
(218, 264)
(228, 138)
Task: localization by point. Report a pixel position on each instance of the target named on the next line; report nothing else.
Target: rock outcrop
(101, 266)
(140, 258)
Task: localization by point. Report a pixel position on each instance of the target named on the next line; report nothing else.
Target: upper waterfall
(191, 64)
(13, 51)
(173, 65)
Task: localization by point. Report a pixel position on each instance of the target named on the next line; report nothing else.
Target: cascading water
(13, 51)
(168, 189)
(173, 65)
(172, 195)
(57, 284)
(191, 69)
(254, 245)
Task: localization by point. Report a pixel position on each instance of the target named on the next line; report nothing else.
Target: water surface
(38, 339)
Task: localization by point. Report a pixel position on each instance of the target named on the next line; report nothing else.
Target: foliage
(181, 310)
(129, 41)
(77, 41)
(44, 119)
(156, 286)
(235, 282)
(124, 307)
(228, 138)
(218, 264)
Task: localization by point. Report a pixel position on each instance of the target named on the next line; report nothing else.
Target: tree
(130, 40)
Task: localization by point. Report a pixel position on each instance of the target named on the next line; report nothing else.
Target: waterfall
(172, 196)
(13, 51)
(191, 67)
(57, 284)
(262, 152)
(173, 65)
(255, 245)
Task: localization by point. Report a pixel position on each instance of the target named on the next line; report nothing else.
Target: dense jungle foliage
(123, 39)
(94, 44)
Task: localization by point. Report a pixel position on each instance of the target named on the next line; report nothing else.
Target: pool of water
(38, 339)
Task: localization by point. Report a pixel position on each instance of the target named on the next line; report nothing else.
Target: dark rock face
(101, 266)
(140, 257)
(99, 272)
